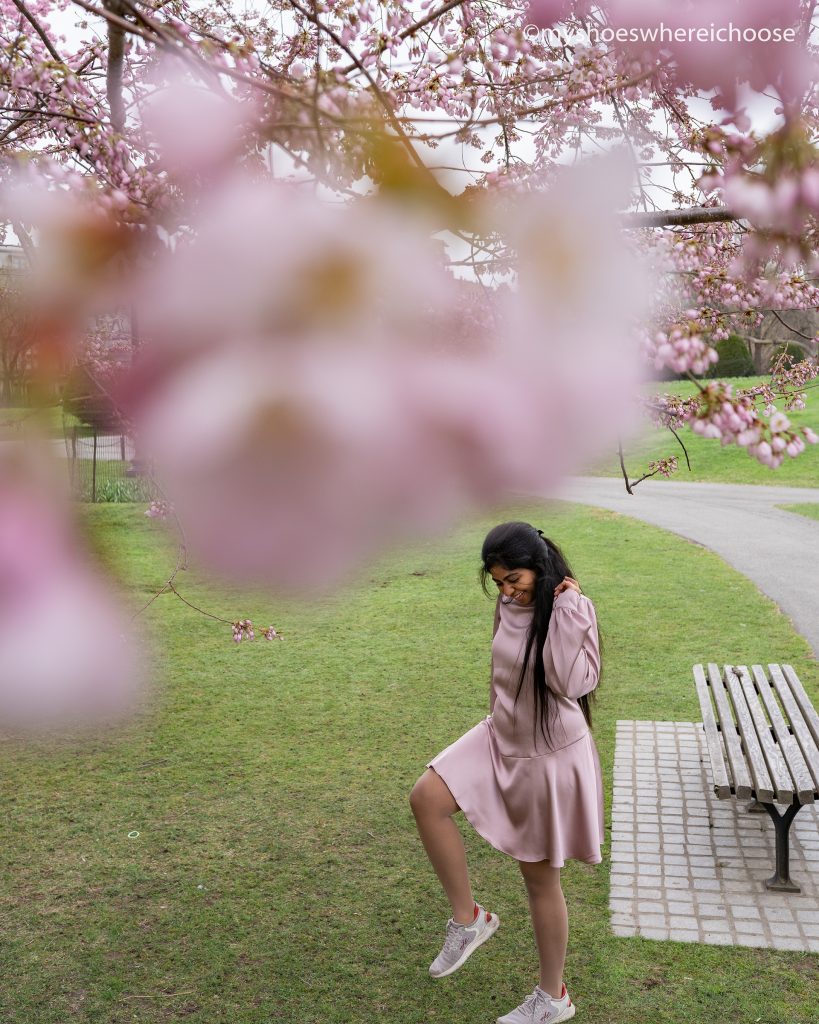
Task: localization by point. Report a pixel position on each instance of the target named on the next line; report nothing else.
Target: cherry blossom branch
(380, 96)
(21, 7)
(412, 29)
(30, 116)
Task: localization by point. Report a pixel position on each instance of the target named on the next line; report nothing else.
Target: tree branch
(623, 466)
(116, 59)
(673, 218)
(807, 337)
(685, 450)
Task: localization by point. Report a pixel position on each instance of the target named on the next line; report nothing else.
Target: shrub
(119, 490)
(734, 359)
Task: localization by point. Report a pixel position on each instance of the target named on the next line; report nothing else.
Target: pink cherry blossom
(67, 656)
(760, 49)
(308, 402)
(196, 129)
(545, 13)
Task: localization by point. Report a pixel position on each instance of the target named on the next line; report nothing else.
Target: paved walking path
(777, 550)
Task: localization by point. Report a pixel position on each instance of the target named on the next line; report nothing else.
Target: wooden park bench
(761, 748)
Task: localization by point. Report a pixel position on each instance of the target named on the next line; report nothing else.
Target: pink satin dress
(528, 798)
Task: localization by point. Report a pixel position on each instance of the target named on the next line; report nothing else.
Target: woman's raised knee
(430, 795)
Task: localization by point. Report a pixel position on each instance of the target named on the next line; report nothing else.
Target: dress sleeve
(491, 660)
(574, 644)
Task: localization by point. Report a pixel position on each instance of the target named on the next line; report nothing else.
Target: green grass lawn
(55, 420)
(811, 511)
(277, 875)
(710, 461)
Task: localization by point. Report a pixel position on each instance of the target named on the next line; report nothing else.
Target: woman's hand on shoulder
(567, 584)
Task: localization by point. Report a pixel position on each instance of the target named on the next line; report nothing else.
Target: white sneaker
(462, 940)
(541, 1008)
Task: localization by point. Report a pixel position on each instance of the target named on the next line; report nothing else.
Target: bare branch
(685, 450)
(807, 337)
(672, 218)
(623, 466)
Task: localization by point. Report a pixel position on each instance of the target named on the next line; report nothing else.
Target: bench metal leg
(780, 881)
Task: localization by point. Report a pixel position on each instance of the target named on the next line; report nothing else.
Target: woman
(528, 776)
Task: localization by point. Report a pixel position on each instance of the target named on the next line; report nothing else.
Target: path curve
(777, 550)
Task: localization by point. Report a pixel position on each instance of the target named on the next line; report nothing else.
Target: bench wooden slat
(719, 771)
(743, 787)
(800, 728)
(809, 712)
(781, 777)
(803, 783)
(762, 782)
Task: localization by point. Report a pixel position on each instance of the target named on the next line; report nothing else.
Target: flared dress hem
(470, 817)
(467, 795)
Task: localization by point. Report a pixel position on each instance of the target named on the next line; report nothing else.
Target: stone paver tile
(679, 908)
(647, 893)
(779, 914)
(681, 858)
(746, 912)
(618, 904)
(715, 924)
(651, 907)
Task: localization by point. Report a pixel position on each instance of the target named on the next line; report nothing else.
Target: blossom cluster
(159, 509)
(243, 629)
(665, 467)
(734, 419)
(680, 348)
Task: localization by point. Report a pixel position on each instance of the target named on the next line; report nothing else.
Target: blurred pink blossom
(65, 655)
(196, 129)
(312, 389)
(747, 54)
(545, 13)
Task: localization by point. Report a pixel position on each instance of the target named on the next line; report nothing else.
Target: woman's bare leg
(550, 921)
(433, 806)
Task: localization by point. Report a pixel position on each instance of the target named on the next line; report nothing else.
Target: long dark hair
(518, 545)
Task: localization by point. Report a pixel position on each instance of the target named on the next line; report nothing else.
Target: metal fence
(103, 467)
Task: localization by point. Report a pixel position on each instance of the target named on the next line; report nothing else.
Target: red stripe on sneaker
(488, 916)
